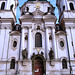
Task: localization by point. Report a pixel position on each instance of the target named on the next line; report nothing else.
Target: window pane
(12, 65)
(3, 5)
(38, 40)
(64, 64)
(71, 6)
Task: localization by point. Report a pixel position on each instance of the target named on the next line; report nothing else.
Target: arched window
(12, 65)
(3, 6)
(38, 40)
(63, 8)
(11, 7)
(64, 64)
(71, 6)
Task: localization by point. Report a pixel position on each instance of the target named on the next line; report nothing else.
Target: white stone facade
(38, 40)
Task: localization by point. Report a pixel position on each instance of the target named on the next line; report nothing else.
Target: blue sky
(21, 2)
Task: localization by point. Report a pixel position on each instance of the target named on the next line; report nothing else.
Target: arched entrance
(38, 65)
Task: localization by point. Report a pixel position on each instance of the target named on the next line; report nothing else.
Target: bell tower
(9, 5)
(67, 20)
(66, 8)
(7, 20)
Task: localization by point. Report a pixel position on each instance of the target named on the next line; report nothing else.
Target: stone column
(22, 46)
(29, 43)
(47, 44)
(54, 43)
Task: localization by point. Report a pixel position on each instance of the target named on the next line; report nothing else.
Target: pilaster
(54, 42)
(47, 44)
(29, 43)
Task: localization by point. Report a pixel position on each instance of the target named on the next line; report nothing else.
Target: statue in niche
(51, 54)
(38, 27)
(26, 37)
(50, 37)
(24, 54)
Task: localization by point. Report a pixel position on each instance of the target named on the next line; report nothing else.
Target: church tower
(7, 20)
(67, 22)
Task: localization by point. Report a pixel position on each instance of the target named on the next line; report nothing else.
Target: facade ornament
(24, 54)
(38, 4)
(50, 37)
(51, 54)
(26, 37)
(38, 27)
(42, 53)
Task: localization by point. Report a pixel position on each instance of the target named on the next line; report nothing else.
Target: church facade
(37, 46)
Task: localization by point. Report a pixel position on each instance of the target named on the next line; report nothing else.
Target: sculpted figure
(24, 53)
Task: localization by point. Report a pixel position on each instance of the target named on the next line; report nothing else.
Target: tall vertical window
(3, 6)
(11, 7)
(63, 8)
(71, 6)
(64, 64)
(12, 65)
(38, 40)
(48, 9)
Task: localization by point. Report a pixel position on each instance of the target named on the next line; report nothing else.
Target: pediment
(60, 33)
(15, 33)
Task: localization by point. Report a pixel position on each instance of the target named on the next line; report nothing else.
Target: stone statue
(51, 54)
(24, 54)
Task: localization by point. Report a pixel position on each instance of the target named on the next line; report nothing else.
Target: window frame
(3, 6)
(40, 39)
(71, 5)
(12, 63)
(64, 64)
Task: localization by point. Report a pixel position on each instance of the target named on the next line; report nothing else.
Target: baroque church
(37, 46)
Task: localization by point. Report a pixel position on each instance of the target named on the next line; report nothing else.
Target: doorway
(38, 66)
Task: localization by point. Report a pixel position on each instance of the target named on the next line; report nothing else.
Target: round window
(61, 43)
(14, 44)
